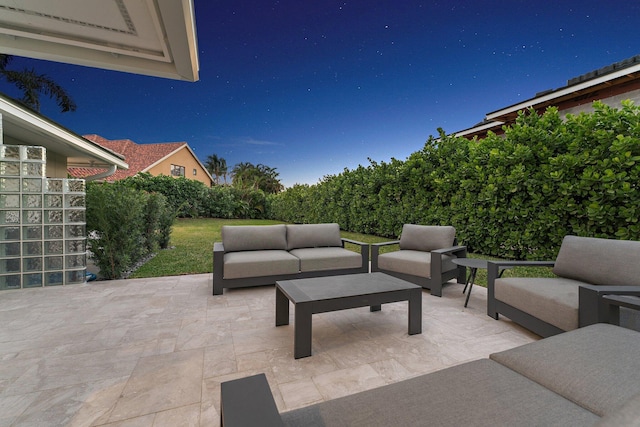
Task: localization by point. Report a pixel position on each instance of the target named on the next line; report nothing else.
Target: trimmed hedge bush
(513, 196)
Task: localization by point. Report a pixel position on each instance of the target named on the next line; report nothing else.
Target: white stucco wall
(614, 101)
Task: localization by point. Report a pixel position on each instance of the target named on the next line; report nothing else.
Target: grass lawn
(191, 250)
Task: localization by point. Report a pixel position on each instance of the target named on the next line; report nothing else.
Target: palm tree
(33, 85)
(217, 167)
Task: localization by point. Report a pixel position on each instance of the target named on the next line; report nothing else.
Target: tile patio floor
(153, 352)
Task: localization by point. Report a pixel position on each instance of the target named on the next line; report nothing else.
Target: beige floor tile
(151, 352)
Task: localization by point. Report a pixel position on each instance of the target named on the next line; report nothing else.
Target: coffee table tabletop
(332, 293)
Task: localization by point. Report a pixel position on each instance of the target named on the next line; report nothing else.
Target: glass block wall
(42, 222)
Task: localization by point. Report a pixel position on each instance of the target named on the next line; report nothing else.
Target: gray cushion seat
(479, 393)
(554, 299)
(317, 259)
(417, 263)
(259, 263)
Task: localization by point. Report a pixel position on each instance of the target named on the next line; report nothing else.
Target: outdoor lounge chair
(587, 269)
(424, 257)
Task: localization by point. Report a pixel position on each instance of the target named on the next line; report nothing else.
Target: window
(177, 170)
(195, 172)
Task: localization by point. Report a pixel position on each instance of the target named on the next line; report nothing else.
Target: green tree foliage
(259, 177)
(124, 226)
(217, 167)
(514, 195)
(32, 85)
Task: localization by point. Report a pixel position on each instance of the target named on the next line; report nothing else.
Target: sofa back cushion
(254, 237)
(426, 237)
(313, 235)
(599, 261)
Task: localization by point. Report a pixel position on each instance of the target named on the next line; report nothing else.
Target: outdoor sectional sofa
(262, 254)
(586, 270)
(586, 377)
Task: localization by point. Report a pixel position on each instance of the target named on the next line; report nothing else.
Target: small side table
(473, 264)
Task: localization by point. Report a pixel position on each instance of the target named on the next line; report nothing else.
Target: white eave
(150, 37)
(565, 91)
(28, 127)
(480, 128)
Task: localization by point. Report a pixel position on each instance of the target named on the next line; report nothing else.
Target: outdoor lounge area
(153, 352)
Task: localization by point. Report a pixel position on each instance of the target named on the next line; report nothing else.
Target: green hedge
(124, 226)
(514, 195)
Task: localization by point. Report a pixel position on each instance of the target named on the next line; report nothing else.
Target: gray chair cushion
(597, 367)
(316, 259)
(553, 300)
(254, 237)
(259, 263)
(479, 393)
(599, 261)
(416, 263)
(313, 235)
(426, 237)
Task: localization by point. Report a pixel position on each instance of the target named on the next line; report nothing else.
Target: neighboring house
(611, 85)
(169, 158)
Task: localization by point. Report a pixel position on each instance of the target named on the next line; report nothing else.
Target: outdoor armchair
(586, 269)
(424, 257)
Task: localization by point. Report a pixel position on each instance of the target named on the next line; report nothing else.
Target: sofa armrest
(375, 251)
(493, 272)
(593, 308)
(364, 250)
(218, 267)
(248, 402)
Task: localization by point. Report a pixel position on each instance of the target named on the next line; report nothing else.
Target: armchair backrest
(426, 237)
(599, 261)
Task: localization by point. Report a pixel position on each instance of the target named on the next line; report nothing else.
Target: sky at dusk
(313, 87)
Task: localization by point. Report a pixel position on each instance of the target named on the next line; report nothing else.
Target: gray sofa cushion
(599, 261)
(426, 237)
(553, 300)
(628, 415)
(259, 263)
(313, 235)
(417, 263)
(479, 393)
(597, 367)
(316, 259)
(254, 237)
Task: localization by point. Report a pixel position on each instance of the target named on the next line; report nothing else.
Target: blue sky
(312, 88)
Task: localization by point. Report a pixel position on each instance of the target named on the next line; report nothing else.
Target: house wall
(613, 101)
(183, 157)
(56, 163)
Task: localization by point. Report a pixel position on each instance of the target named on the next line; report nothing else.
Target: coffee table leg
(471, 280)
(302, 331)
(415, 312)
(375, 308)
(282, 308)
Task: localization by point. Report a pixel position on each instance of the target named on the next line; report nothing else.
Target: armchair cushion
(599, 261)
(254, 237)
(426, 237)
(313, 236)
(553, 299)
(316, 259)
(414, 262)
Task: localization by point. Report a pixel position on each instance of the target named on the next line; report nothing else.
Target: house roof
(584, 87)
(152, 37)
(26, 126)
(140, 157)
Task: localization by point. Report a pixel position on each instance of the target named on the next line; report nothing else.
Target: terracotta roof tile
(139, 157)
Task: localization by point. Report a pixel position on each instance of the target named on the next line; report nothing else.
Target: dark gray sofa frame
(438, 277)
(592, 307)
(219, 282)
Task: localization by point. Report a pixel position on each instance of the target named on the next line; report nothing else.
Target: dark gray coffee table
(332, 293)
